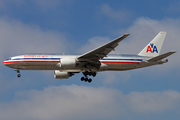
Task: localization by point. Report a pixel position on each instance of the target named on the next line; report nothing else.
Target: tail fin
(154, 47)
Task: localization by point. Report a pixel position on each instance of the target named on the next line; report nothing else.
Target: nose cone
(5, 62)
(8, 63)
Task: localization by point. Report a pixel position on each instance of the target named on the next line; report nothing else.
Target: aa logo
(151, 48)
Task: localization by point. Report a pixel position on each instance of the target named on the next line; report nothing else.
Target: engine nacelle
(62, 75)
(67, 63)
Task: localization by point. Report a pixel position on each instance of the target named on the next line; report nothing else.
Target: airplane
(94, 61)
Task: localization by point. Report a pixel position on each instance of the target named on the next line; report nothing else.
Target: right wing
(102, 51)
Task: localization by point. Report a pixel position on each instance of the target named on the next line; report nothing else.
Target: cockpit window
(9, 59)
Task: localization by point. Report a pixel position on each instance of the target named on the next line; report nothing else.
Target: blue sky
(57, 26)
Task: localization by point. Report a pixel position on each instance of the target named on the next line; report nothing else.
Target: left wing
(102, 51)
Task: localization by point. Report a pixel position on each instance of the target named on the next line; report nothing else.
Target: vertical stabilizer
(154, 47)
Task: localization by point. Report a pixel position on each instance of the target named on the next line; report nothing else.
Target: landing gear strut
(85, 78)
(18, 75)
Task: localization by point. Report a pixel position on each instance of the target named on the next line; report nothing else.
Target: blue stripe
(36, 59)
(60, 58)
(123, 59)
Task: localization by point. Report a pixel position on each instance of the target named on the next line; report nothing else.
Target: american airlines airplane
(94, 61)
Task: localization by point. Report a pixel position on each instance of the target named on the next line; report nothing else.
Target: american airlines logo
(36, 56)
(151, 48)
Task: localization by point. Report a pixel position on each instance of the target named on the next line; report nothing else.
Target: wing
(102, 51)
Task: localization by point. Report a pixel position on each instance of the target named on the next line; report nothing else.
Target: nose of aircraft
(4, 62)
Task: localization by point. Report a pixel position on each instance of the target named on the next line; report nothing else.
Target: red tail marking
(149, 49)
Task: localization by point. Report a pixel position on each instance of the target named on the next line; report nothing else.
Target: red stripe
(59, 61)
(119, 62)
(26, 61)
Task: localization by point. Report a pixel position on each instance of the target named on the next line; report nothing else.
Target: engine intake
(62, 75)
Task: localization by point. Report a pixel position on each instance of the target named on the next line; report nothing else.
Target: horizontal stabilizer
(160, 57)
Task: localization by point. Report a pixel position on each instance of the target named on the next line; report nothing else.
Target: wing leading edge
(104, 50)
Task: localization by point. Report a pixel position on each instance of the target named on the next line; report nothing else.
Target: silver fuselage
(50, 62)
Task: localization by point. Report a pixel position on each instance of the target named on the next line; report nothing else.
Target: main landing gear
(85, 78)
(18, 75)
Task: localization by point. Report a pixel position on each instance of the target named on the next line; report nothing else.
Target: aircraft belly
(122, 66)
(41, 66)
(128, 66)
(33, 66)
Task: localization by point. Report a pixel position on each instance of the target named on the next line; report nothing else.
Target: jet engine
(67, 63)
(62, 75)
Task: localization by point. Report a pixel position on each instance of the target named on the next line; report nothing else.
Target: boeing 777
(94, 61)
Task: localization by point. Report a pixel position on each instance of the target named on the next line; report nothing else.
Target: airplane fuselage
(51, 62)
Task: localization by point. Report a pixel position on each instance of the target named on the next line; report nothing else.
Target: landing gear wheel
(86, 74)
(93, 74)
(18, 75)
(82, 78)
(86, 79)
(90, 80)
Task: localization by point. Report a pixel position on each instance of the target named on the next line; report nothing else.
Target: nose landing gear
(18, 75)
